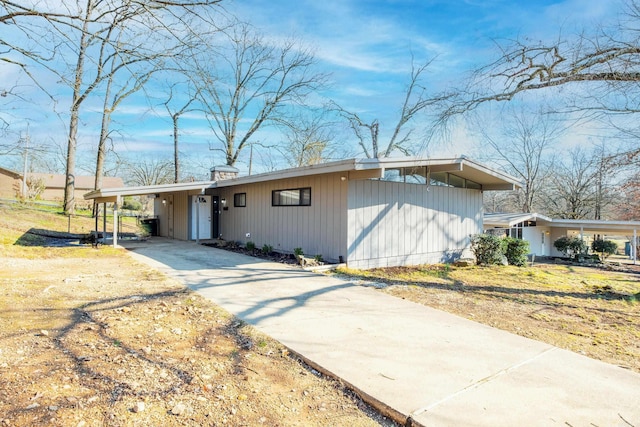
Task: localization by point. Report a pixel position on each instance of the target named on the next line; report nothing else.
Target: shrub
(250, 246)
(571, 246)
(487, 249)
(515, 250)
(318, 258)
(605, 247)
(267, 249)
(298, 252)
(131, 204)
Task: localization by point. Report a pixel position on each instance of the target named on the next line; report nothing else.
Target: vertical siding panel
(354, 223)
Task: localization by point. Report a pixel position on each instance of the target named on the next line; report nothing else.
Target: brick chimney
(219, 173)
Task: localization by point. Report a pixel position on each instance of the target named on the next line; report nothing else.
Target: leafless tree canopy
(415, 101)
(521, 146)
(309, 139)
(608, 60)
(85, 44)
(251, 82)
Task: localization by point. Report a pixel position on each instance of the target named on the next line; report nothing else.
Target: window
(415, 175)
(293, 197)
(240, 200)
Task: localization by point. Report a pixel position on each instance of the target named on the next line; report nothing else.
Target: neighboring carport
(564, 227)
(116, 195)
(604, 228)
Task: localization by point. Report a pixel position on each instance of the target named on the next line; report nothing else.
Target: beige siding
(9, 186)
(394, 224)
(181, 220)
(318, 229)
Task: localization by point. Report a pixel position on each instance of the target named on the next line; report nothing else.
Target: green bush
(571, 246)
(267, 249)
(487, 249)
(250, 246)
(515, 250)
(605, 247)
(298, 252)
(131, 204)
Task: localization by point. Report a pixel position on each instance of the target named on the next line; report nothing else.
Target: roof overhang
(463, 167)
(620, 228)
(508, 220)
(112, 194)
(353, 169)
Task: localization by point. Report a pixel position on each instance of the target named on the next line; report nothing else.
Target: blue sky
(366, 47)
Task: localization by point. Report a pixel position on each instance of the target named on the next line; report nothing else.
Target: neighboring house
(11, 184)
(541, 231)
(367, 213)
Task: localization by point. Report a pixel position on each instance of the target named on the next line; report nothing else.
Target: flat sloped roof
(489, 178)
(508, 220)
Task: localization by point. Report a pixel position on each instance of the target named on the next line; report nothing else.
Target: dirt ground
(88, 337)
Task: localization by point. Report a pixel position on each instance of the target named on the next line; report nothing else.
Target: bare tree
(149, 171)
(520, 147)
(175, 113)
(415, 101)
(250, 82)
(91, 35)
(572, 186)
(309, 139)
(628, 206)
(607, 61)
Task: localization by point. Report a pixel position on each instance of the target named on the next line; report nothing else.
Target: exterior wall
(319, 229)
(9, 186)
(533, 235)
(402, 224)
(177, 206)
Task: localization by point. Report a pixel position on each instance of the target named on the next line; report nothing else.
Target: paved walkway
(414, 362)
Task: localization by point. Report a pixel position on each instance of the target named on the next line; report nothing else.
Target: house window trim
(236, 202)
(299, 189)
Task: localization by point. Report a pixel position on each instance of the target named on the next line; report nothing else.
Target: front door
(216, 217)
(201, 217)
(170, 216)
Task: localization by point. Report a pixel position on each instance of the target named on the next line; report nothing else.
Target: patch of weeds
(117, 343)
(250, 246)
(633, 299)
(267, 249)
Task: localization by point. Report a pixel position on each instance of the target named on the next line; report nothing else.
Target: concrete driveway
(419, 365)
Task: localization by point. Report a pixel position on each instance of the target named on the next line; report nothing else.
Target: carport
(554, 228)
(115, 197)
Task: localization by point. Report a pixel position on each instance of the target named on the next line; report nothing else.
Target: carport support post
(104, 222)
(197, 219)
(97, 211)
(115, 221)
(634, 247)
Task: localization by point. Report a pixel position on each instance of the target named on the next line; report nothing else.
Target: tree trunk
(176, 163)
(69, 189)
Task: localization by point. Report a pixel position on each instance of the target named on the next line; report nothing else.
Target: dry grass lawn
(88, 337)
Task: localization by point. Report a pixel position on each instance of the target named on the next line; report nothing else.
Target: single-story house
(365, 212)
(541, 231)
(11, 184)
